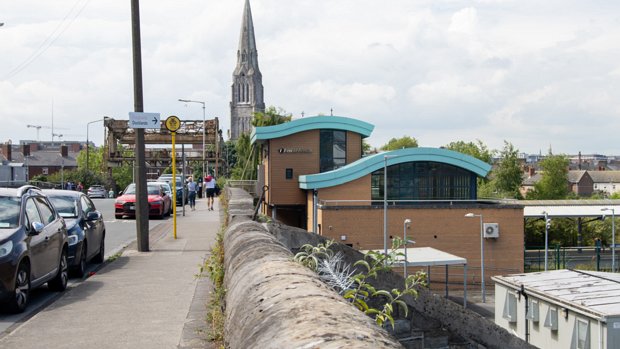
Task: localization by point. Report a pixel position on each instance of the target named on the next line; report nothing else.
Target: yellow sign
(173, 123)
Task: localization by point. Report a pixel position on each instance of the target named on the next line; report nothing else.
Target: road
(119, 234)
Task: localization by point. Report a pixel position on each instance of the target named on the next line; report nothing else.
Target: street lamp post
(471, 215)
(385, 216)
(203, 129)
(547, 225)
(87, 139)
(406, 225)
(613, 238)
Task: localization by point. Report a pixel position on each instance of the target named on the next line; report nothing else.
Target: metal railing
(247, 185)
(559, 257)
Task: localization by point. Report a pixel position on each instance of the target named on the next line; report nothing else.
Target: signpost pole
(174, 185)
(173, 124)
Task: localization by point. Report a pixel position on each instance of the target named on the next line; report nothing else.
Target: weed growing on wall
(213, 267)
(354, 284)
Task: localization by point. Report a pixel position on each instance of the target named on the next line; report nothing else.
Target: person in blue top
(191, 189)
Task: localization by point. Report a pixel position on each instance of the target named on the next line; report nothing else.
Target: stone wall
(273, 302)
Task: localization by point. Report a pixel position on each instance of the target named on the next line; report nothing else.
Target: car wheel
(59, 282)
(101, 254)
(80, 269)
(118, 216)
(19, 300)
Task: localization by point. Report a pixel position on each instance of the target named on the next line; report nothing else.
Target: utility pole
(142, 220)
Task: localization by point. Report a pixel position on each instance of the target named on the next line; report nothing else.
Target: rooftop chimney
(64, 151)
(26, 150)
(6, 150)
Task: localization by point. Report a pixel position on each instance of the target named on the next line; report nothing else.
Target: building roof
(568, 208)
(371, 163)
(588, 292)
(312, 123)
(605, 176)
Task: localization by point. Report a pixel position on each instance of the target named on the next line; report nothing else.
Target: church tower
(247, 86)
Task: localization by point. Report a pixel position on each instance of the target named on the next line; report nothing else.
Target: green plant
(214, 268)
(310, 256)
(355, 286)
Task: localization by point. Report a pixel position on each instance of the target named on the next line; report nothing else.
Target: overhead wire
(50, 40)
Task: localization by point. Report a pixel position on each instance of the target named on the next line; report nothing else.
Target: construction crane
(38, 127)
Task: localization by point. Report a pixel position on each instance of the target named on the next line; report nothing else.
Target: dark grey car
(84, 225)
(33, 246)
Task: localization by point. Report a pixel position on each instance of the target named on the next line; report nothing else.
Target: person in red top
(210, 185)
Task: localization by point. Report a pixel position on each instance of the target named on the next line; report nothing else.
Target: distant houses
(20, 162)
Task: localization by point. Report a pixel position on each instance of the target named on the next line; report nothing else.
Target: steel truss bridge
(120, 144)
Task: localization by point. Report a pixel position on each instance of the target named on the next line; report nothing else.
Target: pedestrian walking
(191, 188)
(210, 185)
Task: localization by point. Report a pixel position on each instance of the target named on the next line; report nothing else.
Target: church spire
(247, 42)
(247, 87)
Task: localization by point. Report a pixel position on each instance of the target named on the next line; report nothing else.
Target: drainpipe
(527, 323)
(315, 210)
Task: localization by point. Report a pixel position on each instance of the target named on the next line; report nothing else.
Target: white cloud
(532, 73)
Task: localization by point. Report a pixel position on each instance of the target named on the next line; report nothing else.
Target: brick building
(317, 179)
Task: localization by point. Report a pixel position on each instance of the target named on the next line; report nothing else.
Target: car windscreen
(9, 212)
(66, 206)
(153, 189)
(131, 189)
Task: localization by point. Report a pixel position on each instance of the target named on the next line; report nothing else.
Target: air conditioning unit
(491, 230)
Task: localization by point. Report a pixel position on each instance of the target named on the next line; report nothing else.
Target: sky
(538, 74)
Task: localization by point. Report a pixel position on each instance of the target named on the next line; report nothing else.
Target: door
(53, 232)
(37, 244)
(93, 230)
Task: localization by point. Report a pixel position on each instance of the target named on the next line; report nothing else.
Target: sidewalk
(140, 300)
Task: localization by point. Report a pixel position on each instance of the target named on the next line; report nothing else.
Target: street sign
(173, 123)
(143, 120)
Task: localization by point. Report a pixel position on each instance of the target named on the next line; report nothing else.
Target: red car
(160, 203)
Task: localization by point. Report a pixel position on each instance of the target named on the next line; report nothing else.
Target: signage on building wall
(294, 150)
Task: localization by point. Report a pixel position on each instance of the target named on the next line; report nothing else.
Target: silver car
(97, 191)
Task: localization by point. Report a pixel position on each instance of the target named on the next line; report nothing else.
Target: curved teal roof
(312, 123)
(374, 162)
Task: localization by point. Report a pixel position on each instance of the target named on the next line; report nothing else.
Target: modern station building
(317, 178)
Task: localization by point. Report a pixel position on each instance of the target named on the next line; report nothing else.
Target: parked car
(84, 225)
(181, 189)
(97, 191)
(33, 246)
(160, 203)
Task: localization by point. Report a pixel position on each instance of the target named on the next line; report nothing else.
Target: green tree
(507, 176)
(245, 168)
(486, 187)
(400, 143)
(271, 116)
(554, 181)
(478, 150)
(247, 154)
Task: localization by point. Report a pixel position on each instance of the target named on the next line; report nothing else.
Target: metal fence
(247, 185)
(559, 257)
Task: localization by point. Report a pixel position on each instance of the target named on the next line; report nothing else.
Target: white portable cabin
(561, 308)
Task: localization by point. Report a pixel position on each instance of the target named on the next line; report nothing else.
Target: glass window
(65, 205)
(424, 181)
(47, 212)
(510, 307)
(551, 320)
(87, 205)
(32, 213)
(581, 335)
(9, 212)
(333, 149)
